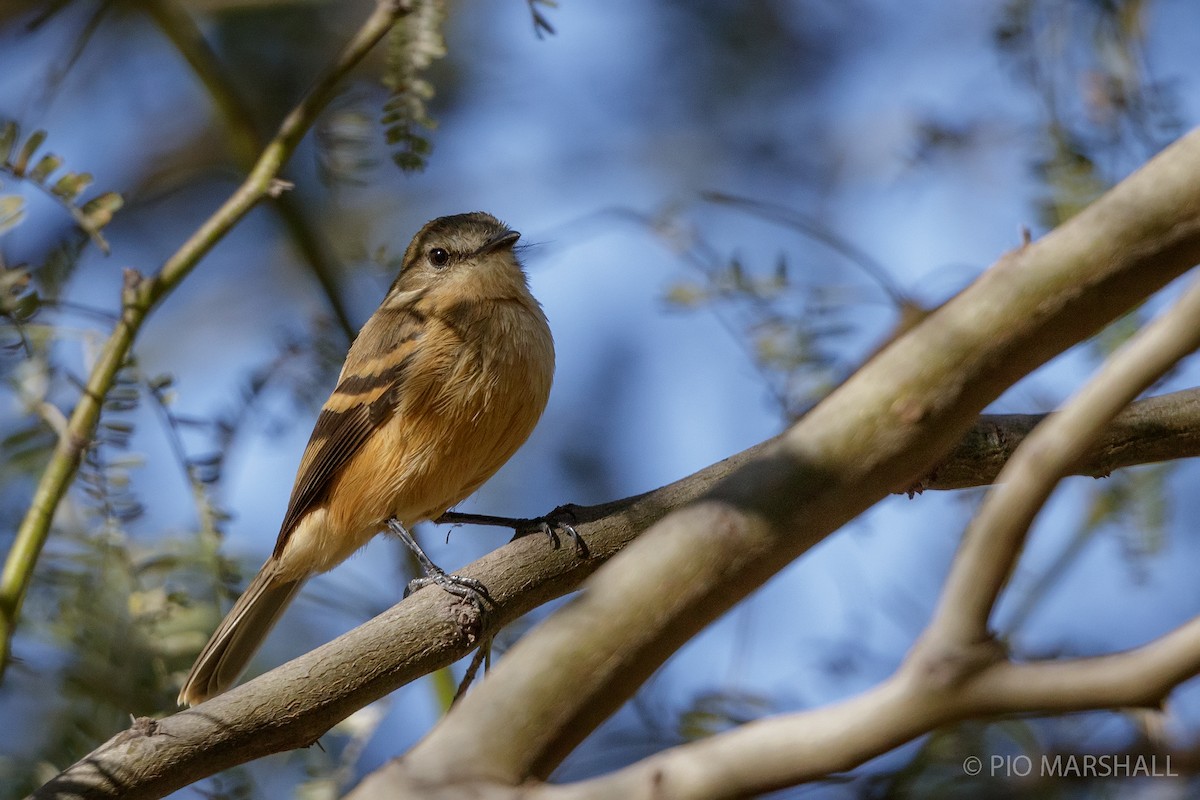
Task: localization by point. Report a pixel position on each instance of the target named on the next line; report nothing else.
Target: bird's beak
(505, 239)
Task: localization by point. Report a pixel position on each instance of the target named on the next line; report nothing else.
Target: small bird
(442, 385)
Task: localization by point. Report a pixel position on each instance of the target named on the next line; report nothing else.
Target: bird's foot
(469, 589)
(560, 519)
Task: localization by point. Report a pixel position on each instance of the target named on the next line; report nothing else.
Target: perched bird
(444, 382)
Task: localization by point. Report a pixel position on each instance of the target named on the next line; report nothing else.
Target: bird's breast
(470, 399)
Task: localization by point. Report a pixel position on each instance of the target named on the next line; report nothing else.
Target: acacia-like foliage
(17, 159)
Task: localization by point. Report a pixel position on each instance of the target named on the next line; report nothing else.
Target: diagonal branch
(141, 295)
(996, 536)
(953, 672)
(876, 433)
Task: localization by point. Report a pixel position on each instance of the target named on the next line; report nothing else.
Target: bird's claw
(468, 589)
(550, 525)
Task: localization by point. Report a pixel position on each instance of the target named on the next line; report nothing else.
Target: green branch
(142, 294)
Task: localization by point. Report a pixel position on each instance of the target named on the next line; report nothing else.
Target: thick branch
(876, 433)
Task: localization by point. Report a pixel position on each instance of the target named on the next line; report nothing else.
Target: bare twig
(1162, 428)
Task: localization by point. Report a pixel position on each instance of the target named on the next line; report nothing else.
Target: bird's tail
(238, 636)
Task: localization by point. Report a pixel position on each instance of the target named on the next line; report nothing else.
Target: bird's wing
(363, 401)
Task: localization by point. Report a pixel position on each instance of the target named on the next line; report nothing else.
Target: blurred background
(727, 206)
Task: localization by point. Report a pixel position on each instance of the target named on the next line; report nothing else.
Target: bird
(442, 385)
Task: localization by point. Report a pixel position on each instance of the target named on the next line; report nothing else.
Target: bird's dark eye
(439, 257)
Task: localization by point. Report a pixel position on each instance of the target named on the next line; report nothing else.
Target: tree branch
(520, 577)
(140, 296)
(756, 512)
(954, 671)
(996, 536)
(1162, 428)
(876, 433)
(790, 749)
